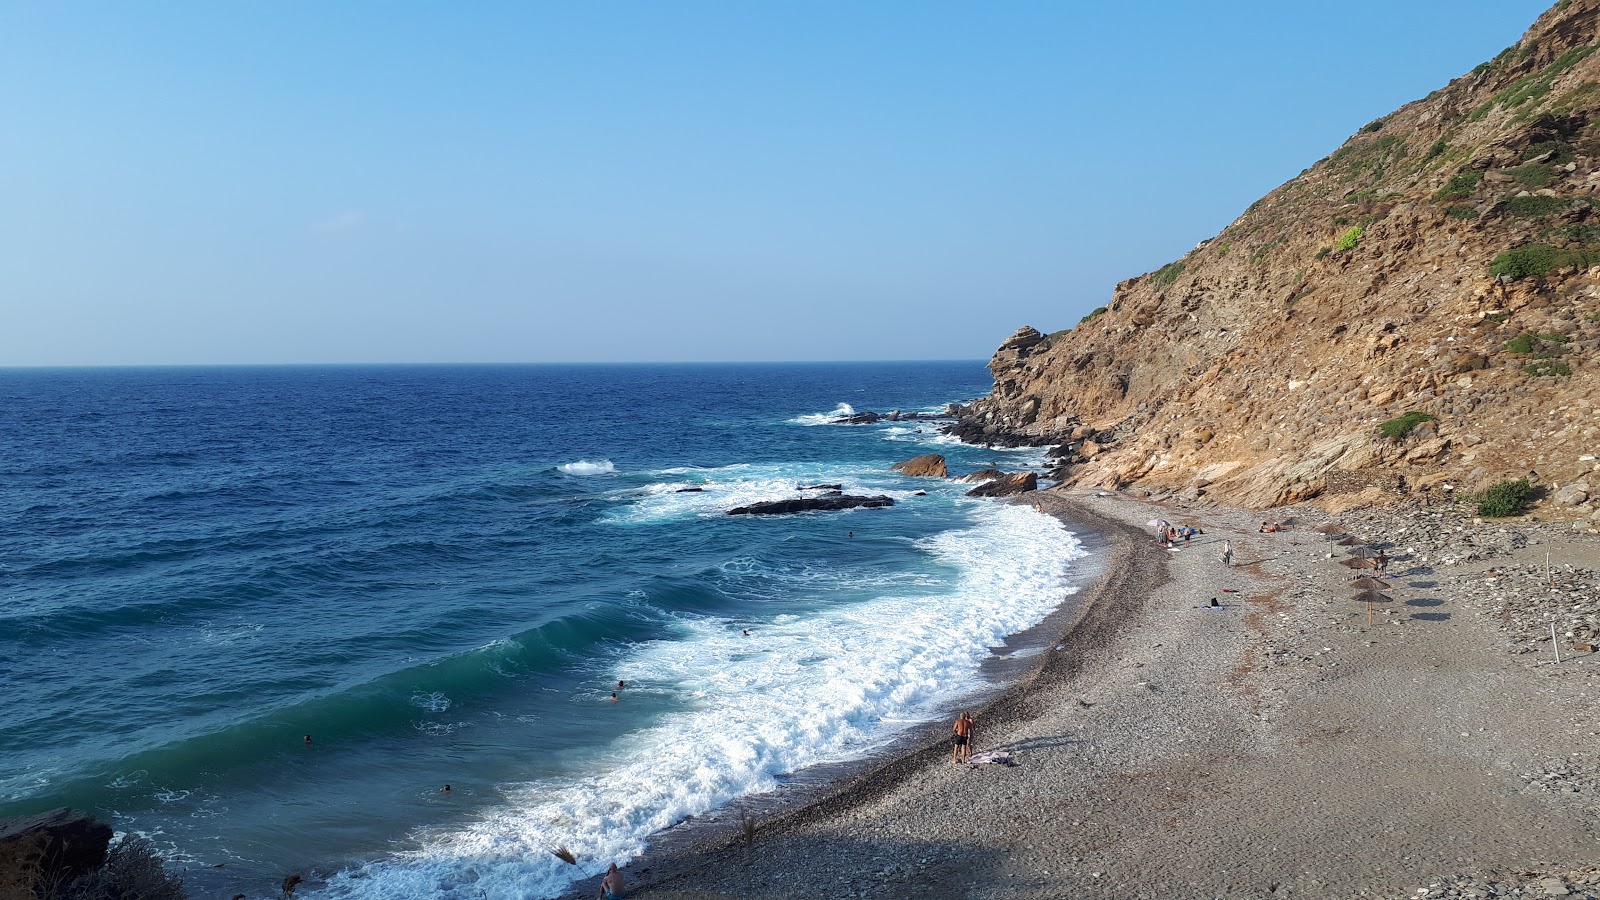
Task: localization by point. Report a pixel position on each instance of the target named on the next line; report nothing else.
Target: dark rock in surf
(982, 475)
(809, 504)
(819, 487)
(689, 490)
(70, 843)
(860, 418)
(1007, 485)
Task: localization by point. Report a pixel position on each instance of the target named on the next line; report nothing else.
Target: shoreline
(1276, 745)
(809, 794)
(1071, 637)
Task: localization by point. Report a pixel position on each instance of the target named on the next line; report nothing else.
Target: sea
(260, 617)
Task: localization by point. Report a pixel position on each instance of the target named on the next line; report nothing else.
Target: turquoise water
(440, 573)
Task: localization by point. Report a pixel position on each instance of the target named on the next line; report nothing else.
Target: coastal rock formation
(930, 465)
(981, 476)
(808, 504)
(1007, 485)
(1423, 302)
(68, 843)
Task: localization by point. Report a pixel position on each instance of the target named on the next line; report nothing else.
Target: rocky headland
(1417, 312)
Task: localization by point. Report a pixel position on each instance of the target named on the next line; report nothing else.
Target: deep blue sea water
(440, 574)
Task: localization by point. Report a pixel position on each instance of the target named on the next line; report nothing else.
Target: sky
(408, 182)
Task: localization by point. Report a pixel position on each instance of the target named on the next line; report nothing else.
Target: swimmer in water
(308, 740)
(613, 696)
(621, 684)
(445, 789)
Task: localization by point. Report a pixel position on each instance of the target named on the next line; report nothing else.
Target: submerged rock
(808, 504)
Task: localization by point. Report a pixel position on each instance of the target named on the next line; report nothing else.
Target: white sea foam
(740, 485)
(587, 467)
(432, 701)
(799, 691)
(843, 409)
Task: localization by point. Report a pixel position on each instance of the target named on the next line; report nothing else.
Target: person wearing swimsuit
(961, 747)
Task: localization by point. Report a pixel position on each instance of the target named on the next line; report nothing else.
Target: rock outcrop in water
(930, 465)
(1420, 309)
(809, 504)
(1007, 485)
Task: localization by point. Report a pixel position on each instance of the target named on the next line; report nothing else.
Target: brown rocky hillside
(1445, 261)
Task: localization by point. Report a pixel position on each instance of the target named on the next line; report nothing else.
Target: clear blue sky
(519, 181)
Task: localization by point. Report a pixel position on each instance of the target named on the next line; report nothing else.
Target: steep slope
(1444, 261)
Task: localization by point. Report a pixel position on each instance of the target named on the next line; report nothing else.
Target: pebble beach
(1273, 745)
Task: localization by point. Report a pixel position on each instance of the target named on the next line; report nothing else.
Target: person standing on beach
(961, 746)
(1227, 553)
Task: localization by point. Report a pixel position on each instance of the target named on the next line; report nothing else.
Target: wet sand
(1273, 746)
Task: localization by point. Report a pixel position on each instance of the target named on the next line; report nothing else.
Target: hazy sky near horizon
(188, 183)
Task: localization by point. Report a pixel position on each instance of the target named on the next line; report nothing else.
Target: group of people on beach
(1169, 535)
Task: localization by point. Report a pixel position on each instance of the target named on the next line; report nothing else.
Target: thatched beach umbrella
(1369, 598)
(1365, 552)
(1356, 562)
(1331, 528)
(1368, 583)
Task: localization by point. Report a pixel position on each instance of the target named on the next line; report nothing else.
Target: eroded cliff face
(1375, 284)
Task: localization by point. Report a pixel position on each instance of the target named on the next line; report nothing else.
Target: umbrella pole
(1369, 613)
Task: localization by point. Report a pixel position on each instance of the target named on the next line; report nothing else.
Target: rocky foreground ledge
(1272, 745)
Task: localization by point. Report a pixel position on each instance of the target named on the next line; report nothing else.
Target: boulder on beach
(808, 504)
(1007, 485)
(930, 465)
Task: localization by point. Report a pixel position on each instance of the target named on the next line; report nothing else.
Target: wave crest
(587, 467)
(843, 409)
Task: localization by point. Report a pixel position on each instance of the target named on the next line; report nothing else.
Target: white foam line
(795, 693)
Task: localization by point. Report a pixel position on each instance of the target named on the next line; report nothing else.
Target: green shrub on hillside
(1548, 368)
(1399, 427)
(1437, 149)
(1460, 187)
(1534, 206)
(1167, 274)
(1508, 498)
(1540, 345)
(1531, 261)
(1578, 232)
(1532, 175)
(1563, 152)
(1536, 85)
(1372, 126)
(1349, 239)
(1097, 311)
(1460, 211)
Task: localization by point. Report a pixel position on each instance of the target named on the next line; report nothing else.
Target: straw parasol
(1356, 562)
(1369, 598)
(1365, 552)
(1368, 583)
(1331, 528)
(1351, 540)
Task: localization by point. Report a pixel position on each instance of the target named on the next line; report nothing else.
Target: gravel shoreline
(1274, 745)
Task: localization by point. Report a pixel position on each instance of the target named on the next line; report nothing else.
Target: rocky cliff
(1419, 308)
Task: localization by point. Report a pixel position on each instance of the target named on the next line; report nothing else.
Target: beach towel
(994, 757)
